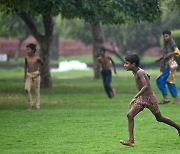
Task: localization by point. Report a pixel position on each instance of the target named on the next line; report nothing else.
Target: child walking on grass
(145, 98)
(32, 74)
(104, 61)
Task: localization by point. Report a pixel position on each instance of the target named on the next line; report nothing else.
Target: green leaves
(112, 11)
(105, 11)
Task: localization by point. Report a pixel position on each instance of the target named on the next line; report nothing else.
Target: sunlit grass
(76, 117)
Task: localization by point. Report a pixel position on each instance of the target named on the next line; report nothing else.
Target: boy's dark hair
(32, 47)
(167, 32)
(103, 49)
(133, 58)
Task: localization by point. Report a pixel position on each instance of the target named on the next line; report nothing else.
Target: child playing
(168, 68)
(145, 98)
(104, 62)
(32, 74)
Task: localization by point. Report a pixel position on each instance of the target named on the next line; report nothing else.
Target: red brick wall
(66, 47)
(8, 46)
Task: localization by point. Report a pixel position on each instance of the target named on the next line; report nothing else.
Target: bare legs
(161, 118)
(133, 112)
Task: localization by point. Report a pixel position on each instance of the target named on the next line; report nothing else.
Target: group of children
(145, 98)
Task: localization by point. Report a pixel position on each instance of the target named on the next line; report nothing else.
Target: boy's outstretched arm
(159, 59)
(114, 67)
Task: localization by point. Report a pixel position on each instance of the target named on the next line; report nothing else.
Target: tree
(110, 12)
(94, 12)
(136, 37)
(10, 26)
(148, 34)
(26, 10)
(74, 29)
(172, 4)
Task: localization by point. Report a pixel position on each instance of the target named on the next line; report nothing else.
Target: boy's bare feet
(37, 107)
(128, 143)
(176, 101)
(30, 108)
(114, 92)
(164, 102)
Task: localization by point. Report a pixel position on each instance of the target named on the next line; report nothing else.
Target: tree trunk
(46, 81)
(98, 40)
(54, 48)
(19, 48)
(44, 40)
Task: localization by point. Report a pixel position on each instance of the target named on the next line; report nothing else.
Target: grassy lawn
(76, 117)
(19, 72)
(82, 58)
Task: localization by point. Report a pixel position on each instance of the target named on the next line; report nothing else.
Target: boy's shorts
(149, 102)
(32, 77)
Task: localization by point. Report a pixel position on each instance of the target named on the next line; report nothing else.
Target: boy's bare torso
(142, 79)
(32, 63)
(105, 62)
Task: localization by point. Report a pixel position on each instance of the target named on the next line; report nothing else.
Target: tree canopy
(27, 10)
(112, 11)
(92, 11)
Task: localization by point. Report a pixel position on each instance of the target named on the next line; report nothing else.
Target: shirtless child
(145, 98)
(32, 74)
(104, 61)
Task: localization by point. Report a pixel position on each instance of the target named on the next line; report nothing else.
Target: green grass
(19, 73)
(76, 117)
(148, 59)
(82, 58)
(89, 59)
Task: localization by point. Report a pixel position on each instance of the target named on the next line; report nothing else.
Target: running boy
(145, 98)
(104, 61)
(32, 74)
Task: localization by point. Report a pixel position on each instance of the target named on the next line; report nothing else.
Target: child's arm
(159, 59)
(131, 102)
(144, 84)
(40, 60)
(97, 63)
(170, 54)
(176, 51)
(113, 65)
(25, 69)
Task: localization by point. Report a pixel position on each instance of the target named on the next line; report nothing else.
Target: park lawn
(82, 58)
(19, 73)
(76, 117)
